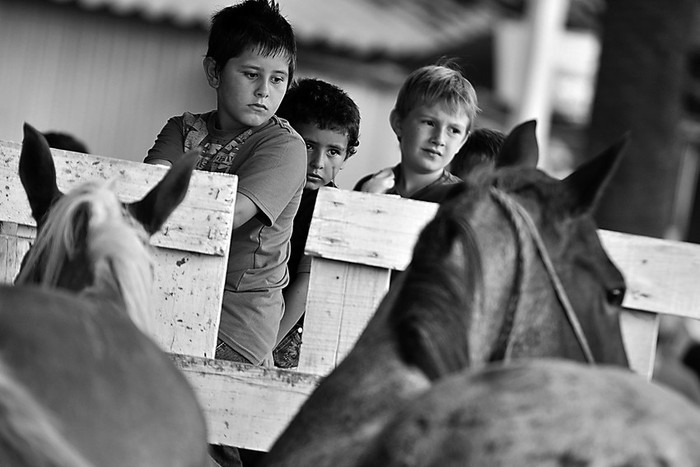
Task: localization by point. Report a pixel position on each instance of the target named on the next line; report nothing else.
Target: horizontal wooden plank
(202, 223)
(380, 230)
(246, 406)
(365, 228)
(661, 275)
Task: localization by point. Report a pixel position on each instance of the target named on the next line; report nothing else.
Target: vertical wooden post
(547, 19)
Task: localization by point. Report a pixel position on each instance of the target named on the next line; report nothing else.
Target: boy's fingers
(381, 182)
(385, 173)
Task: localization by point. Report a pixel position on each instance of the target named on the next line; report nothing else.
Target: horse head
(81, 379)
(511, 266)
(87, 239)
(477, 290)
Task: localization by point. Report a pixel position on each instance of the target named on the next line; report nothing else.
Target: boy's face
(429, 136)
(249, 88)
(326, 151)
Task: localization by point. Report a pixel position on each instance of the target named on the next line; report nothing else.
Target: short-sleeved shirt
(434, 192)
(270, 162)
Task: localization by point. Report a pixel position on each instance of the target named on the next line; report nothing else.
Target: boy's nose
(316, 161)
(438, 137)
(263, 90)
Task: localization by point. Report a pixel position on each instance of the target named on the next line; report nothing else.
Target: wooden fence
(355, 239)
(191, 249)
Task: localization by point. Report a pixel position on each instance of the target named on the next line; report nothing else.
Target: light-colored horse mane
(117, 248)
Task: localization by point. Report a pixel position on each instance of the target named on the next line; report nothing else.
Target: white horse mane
(117, 247)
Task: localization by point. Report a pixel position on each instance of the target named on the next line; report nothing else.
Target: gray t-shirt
(270, 162)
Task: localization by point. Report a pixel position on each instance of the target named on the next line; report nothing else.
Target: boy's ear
(211, 71)
(395, 122)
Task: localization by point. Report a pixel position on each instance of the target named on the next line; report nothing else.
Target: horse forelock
(122, 259)
(116, 245)
(442, 286)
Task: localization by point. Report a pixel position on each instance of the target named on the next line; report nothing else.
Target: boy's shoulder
(279, 129)
(283, 126)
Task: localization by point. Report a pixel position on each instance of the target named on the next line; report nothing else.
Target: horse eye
(615, 296)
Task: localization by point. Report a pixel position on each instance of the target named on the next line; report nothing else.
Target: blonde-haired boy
(433, 115)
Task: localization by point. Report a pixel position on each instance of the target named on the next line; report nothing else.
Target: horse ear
(37, 172)
(155, 208)
(587, 183)
(520, 147)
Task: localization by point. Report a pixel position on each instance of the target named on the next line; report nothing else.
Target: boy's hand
(381, 182)
(268, 361)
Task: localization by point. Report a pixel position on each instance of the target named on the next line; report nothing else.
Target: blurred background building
(111, 72)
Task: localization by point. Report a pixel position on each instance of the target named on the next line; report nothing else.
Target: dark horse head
(511, 267)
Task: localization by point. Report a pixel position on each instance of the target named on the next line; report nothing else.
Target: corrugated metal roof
(363, 27)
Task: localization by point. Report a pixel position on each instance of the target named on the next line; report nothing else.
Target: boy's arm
(272, 178)
(244, 210)
(168, 146)
(294, 303)
(380, 182)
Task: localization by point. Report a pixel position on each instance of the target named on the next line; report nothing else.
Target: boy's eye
(309, 146)
(334, 153)
(278, 80)
(250, 74)
(456, 131)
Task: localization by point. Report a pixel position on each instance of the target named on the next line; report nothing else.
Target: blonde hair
(433, 84)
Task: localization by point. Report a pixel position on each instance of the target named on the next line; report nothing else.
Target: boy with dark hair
(329, 121)
(434, 112)
(250, 62)
(480, 150)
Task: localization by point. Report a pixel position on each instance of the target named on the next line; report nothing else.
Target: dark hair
(256, 24)
(482, 147)
(317, 102)
(65, 141)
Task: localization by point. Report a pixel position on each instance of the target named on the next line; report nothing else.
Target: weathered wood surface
(356, 239)
(350, 229)
(246, 406)
(381, 231)
(191, 250)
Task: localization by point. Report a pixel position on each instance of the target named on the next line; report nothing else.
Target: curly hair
(317, 102)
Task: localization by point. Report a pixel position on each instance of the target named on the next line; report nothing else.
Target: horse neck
(498, 261)
(353, 403)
